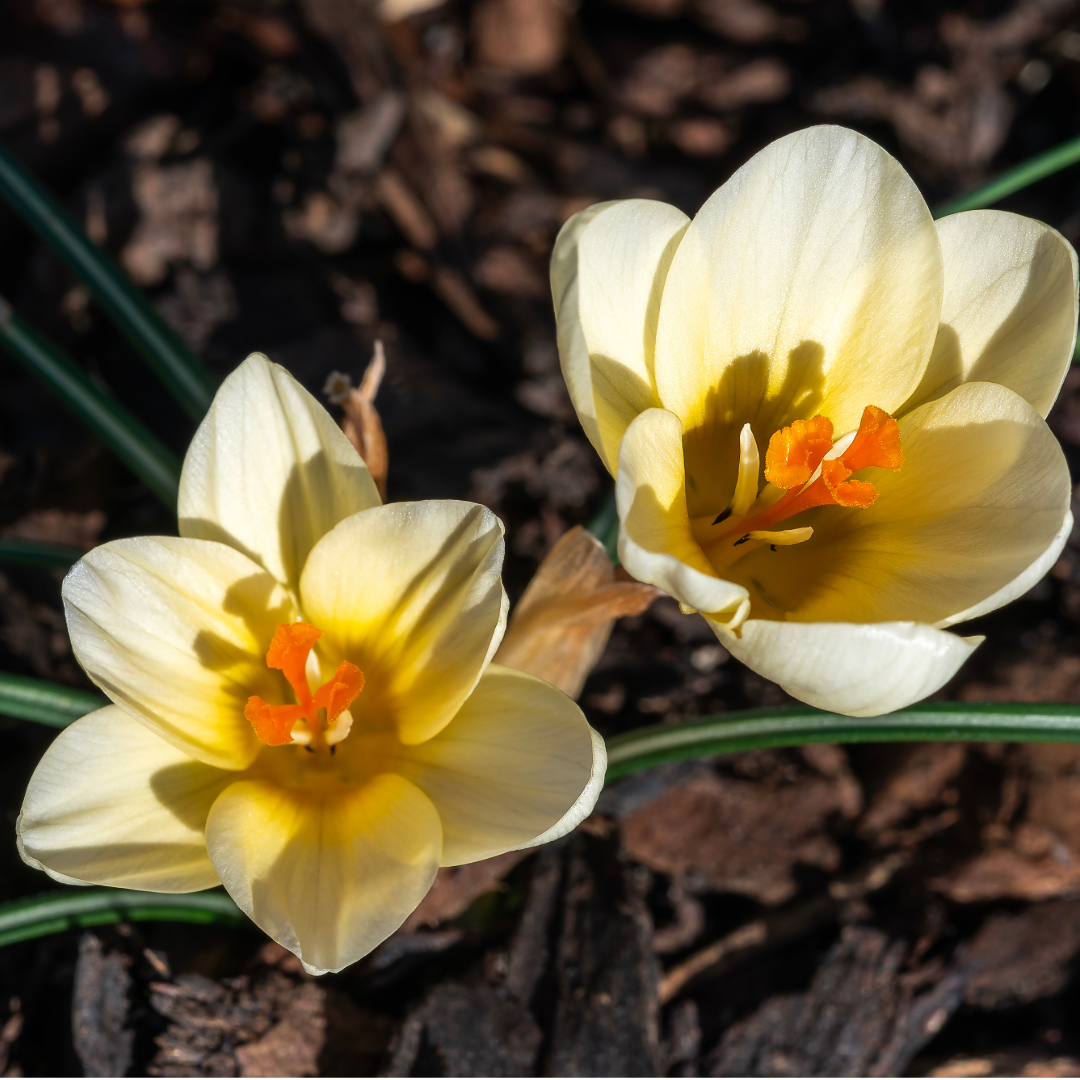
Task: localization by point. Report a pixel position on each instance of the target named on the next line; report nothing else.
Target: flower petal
(1009, 310)
(175, 631)
(411, 594)
(110, 803)
(1022, 583)
(809, 283)
(518, 766)
(982, 496)
(607, 276)
(269, 472)
(850, 668)
(328, 872)
(656, 544)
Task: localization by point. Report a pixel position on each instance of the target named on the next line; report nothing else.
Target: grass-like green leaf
(43, 556)
(605, 527)
(727, 733)
(179, 370)
(45, 702)
(149, 458)
(1016, 179)
(67, 909)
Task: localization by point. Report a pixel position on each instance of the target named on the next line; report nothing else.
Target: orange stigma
(288, 653)
(796, 452)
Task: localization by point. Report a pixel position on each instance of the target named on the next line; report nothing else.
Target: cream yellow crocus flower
(304, 707)
(825, 411)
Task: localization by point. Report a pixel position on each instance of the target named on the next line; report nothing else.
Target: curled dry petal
(362, 424)
(564, 618)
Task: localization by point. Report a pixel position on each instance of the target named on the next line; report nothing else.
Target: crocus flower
(824, 411)
(304, 707)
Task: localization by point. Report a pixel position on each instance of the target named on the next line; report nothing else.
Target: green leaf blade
(149, 458)
(45, 703)
(754, 729)
(186, 379)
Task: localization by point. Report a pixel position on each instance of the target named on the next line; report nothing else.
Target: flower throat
(796, 463)
(319, 720)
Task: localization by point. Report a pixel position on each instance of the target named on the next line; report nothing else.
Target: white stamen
(746, 487)
(783, 538)
(313, 672)
(339, 729)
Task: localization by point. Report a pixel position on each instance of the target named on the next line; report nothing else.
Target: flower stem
(1028, 172)
(189, 382)
(45, 702)
(149, 458)
(727, 733)
(52, 913)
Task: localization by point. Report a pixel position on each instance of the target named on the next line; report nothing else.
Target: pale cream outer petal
(1022, 583)
(411, 594)
(110, 803)
(269, 472)
(809, 283)
(607, 273)
(518, 766)
(175, 632)
(327, 872)
(656, 543)
(858, 669)
(982, 497)
(1009, 310)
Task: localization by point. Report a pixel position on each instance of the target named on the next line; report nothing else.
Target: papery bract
(304, 704)
(825, 411)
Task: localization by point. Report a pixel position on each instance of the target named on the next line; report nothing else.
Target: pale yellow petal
(175, 631)
(809, 283)
(518, 765)
(607, 275)
(1009, 311)
(411, 594)
(328, 871)
(110, 803)
(656, 543)
(850, 668)
(269, 472)
(983, 496)
(1026, 580)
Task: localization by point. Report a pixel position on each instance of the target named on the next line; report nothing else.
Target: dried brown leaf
(362, 424)
(562, 623)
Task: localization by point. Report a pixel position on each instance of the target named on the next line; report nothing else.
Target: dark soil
(302, 177)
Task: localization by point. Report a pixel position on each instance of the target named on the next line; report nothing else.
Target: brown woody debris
(742, 836)
(99, 1010)
(860, 1017)
(178, 224)
(456, 887)
(274, 1022)
(527, 37)
(563, 621)
(1019, 958)
(65, 527)
(607, 1014)
(466, 1030)
(916, 781)
(1038, 857)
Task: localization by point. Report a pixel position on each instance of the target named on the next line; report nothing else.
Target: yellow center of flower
(319, 720)
(796, 462)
